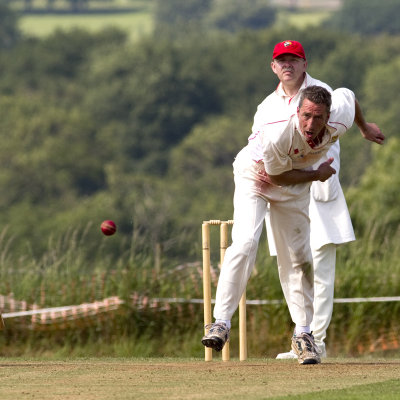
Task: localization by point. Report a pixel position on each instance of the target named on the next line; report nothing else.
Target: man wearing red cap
(289, 47)
(275, 170)
(329, 215)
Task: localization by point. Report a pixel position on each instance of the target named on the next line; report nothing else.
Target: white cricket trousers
(291, 229)
(324, 260)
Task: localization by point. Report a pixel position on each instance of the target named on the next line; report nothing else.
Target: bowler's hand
(325, 170)
(372, 132)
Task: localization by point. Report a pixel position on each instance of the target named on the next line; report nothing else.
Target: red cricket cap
(289, 47)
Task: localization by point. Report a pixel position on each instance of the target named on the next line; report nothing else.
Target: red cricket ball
(108, 227)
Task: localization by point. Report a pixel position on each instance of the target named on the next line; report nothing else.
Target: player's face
(312, 118)
(289, 68)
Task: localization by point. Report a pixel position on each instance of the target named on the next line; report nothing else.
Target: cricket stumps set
(224, 228)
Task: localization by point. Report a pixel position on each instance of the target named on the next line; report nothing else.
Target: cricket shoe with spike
(217, 336)
(304, 347)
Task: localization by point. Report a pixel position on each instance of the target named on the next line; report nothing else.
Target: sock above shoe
(298, 330)
(227, 322)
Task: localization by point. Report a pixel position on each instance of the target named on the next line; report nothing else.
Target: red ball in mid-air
(108, 227)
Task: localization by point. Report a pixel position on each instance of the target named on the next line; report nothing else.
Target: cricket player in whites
(275, 170)
(330, 219)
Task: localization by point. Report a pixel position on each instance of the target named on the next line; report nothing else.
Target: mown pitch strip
(171, 378)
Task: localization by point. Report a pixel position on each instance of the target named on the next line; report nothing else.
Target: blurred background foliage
(96, 126)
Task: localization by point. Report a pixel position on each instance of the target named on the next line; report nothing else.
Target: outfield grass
(173, 378)
(387, 390)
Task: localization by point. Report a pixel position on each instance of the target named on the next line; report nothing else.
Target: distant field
(134, 16)
(137, 24)
(301, 19)
(174, 378)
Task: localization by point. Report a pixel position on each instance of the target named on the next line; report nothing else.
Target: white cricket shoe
(217, 336)
(304, 347)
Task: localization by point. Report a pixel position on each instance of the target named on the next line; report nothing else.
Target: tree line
(96, 127)
(29, 6)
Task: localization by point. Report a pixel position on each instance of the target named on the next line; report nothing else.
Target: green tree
(380, 89)
(376, 198)
(47, 152)
(201, 169)
(158, 91)
(77, 5)
(52, 63)
(235, 15)
(368, 17)
(177, 18)
(9, 32)
(350, 58)
(176, 12)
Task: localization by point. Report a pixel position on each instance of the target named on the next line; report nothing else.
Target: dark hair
(317, 95)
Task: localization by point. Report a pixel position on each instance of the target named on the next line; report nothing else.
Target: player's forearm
(370, 131)
(359, 117)
(294, 177)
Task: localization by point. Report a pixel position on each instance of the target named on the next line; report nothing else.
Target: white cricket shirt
(282, 147)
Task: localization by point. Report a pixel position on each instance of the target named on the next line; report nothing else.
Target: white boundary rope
(367, 299)
(93, 308)
(70, 312)
(267, 302)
